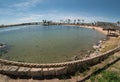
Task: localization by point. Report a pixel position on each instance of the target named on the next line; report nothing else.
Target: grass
(110, 44)
(106, 76)
(112, 73)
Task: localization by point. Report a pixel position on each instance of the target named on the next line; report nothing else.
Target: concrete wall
(52, 69)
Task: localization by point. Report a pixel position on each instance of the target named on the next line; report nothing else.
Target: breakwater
(52, 69)
(31, 23)
(22, 24)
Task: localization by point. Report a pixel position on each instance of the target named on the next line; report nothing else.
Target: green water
(46, 44)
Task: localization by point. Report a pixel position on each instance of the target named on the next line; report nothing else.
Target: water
(46, 44)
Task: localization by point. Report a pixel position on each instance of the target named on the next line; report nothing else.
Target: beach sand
(98, 28)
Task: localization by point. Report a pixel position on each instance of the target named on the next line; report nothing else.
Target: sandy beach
(98, 28)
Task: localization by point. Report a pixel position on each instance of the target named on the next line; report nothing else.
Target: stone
(23, 71)
(60, 70)
(6, 68)
(13, 70)
(48, 71)
(35, 72)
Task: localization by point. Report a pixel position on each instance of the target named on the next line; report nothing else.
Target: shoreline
(90, 27)
(98, 28)
(76, 78)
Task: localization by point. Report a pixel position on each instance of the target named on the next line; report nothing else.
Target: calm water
(43, 44)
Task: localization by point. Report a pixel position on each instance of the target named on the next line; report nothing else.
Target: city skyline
(20, 11)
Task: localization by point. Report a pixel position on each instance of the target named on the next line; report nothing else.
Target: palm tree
(74, 21)
(68, 21)
(78, 21)
(43, 21)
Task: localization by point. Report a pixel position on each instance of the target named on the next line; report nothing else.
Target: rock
(13, 70)
(23, 71)
(48, 71)
(60, 71)
(35, 72)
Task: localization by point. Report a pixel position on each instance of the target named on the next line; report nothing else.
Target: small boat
(2, 45)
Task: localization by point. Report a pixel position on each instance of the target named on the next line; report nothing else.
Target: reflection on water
(43, 44)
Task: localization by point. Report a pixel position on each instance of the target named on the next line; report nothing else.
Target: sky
(20, 11)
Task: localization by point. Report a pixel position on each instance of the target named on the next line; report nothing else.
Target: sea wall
(52, 69)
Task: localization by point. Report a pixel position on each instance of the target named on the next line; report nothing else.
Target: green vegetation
(109, 47)
(110, 44)
(110, 74)
(106, 76)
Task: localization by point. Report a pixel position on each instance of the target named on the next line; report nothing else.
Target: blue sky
(18, 11)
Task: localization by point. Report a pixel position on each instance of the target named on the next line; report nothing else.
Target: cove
(47, 44)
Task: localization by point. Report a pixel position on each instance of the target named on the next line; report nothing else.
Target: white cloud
(54, 16)
(57, 16)
(26, 4)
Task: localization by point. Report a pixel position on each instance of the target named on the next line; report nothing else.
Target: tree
(78, 21)
(74, 21)
(68, 21)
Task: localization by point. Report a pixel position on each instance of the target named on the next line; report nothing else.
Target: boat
(2, 46)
